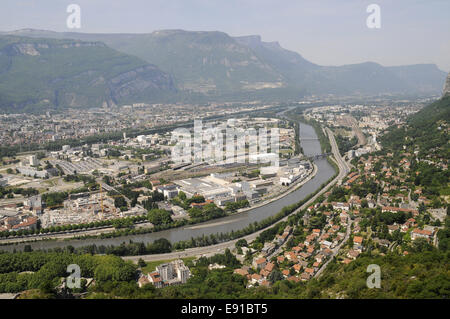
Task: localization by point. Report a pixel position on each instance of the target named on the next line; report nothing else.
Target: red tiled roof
(422, 232)
(269, 266)
(241, 272)
(293, 278)
(30, 221)
(256, 276)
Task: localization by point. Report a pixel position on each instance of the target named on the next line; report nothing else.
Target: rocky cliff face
(133, 82)
(447, 86)
(213, 64)
(15, 46)
(38, 73)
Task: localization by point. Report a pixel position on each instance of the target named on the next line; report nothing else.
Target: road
(343, 167)
(336, 249)
(68, 234)
(280, 248)
(214, 249)
(354, 125)
(60, 235)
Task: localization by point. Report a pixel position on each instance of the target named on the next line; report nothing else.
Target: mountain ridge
(42, 72)
(212, 64)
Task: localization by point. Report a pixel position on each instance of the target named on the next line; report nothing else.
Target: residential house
(357, 243)
(421, 233)
(259, 263)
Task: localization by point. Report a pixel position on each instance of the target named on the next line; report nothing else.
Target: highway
(218, 248)
(343, 167)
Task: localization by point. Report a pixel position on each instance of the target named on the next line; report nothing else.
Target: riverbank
(212, 249)
(232, 223)
(95, 233)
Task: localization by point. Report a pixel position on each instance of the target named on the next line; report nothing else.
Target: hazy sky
(325, 32)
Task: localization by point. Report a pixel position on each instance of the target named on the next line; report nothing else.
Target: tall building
(166, 271)
(33, 160)
(182, 271)
(173, 273)
(34, 204)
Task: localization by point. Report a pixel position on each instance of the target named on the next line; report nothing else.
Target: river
(311, 147)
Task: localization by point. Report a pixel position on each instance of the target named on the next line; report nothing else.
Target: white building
(165, 271)
(290, 175)
(33, 161)
(174, 272)
(30, 171)
(142, 139)
(3, 181)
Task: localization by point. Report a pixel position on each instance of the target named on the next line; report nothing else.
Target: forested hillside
(426, 131)
(38, 73)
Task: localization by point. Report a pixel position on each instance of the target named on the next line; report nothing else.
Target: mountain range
(42, 72)
(40, 68)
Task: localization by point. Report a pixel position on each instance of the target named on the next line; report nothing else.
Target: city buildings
(171, 273)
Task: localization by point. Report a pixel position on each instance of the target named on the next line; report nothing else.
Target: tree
(182, 196)
(275, 275)
(421, 245)
(212, 211)
(422, 208)
(364, 203)
(120, 202)
(159, 216)
(195, 199)
(27, 248)
(195, 212)
(141, 263)
(241, 243)
(161, 245)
